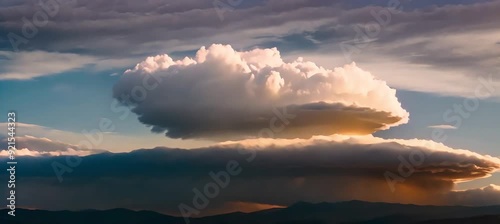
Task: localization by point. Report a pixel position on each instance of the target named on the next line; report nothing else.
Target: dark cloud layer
(445, 36)
(121, 24)
(276, 172)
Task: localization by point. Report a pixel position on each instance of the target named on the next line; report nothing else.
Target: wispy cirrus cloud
(86, 141)
(444, 43)
(442, 126)
(27, 65)
(33, 146)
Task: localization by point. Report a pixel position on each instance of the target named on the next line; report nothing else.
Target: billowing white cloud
(224, 93)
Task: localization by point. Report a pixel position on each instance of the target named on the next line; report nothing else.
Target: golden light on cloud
(226, 94)
(249, 206)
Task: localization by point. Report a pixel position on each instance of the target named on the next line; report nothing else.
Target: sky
(310, 87)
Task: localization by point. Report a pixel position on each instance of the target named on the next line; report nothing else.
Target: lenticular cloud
(227, 94)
